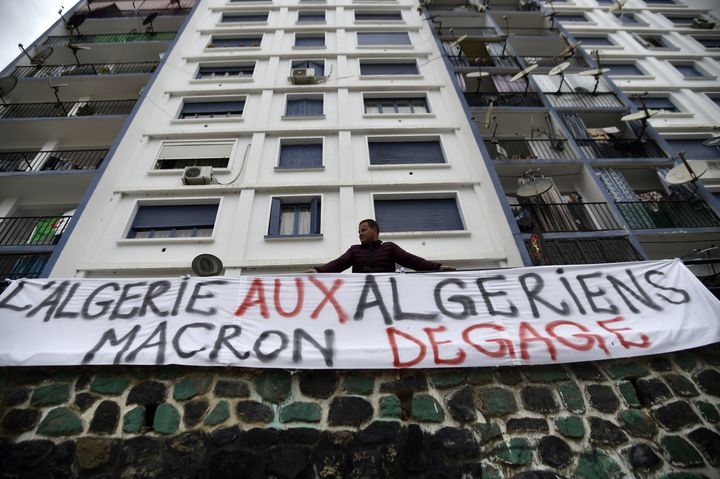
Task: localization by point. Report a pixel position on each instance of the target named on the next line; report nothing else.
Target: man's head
(368, 231)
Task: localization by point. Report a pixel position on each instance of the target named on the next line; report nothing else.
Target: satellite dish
(477, 75)
(570, 48)
(488, 116)
(75, 21)
(714, 141)
(558, 69)
(40, 57)
(457, 42)
(75, 47)
(619, 4)
(524, 72)
(207, 265)
(595, 72)
(611, 130)
(638, 115)
(149, 21)
(534, 188)
(686, 172)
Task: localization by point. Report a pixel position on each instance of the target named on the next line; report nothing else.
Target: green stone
(64, 376)
(273, 386)
(509, 375)
(168, 373)
(191, 387)
(629, 394)
(111, 385)
(683, 475)
(479, 376)
(390, 407)
(681, 452)
(597, 465)
(572, 397)
(637, 423)
(219, 414)
(571, 426)
(133, 420)
(360, 385)
(167, 419)
(545, 374)
(497, 401)
(60, 421)
(517, 452)
(300, 412)
(426, 409)
(488, 431)
(626, 370)
(681, 385)
(489, 472)
(686, 360)
(447, 379)
(708, 411)
(50, 394)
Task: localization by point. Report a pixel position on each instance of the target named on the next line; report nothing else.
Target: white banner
(537, 315)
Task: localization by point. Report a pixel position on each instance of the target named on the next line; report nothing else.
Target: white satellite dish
(477, 75)
(686, 172)
(714, 141)
(524, 73)
(595, 72)
(570, 49)
(534, 188)
(638, 115)
(558, 69)
(457, 42)
(488, 116)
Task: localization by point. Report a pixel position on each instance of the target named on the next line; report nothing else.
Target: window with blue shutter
(622, 69)
(236, 42)
(422, 214)
(294, 218)
(304, 107)
(212, 109)
(173, 221)
(400, 68)
(225, 71)
(311, 17)
(246, 18)
(405, 152)
(688, 70)
(317, 65)
(383, 38)
(657, 103)
(395, 106)
(315, 40)
(308, 155)
(378, 17)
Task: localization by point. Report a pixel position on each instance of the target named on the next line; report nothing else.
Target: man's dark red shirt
(378, 257)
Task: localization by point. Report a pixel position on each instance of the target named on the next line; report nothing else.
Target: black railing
(86, 69)
(68, 109)
(110, 38)
(32, 230)
(506, 61)
(503, 99)
(502, 149)
(624, 148)
(142, 13)
(584, 100)
(16, 266)
(15, 161)
(668, 214)
(470, 31)
(586, 251)
(551, 61)
(565, 217)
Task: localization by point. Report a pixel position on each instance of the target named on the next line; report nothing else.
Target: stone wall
(652, 417)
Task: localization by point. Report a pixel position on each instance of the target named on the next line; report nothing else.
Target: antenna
(570, 50)
(149, 21)
(56, 90)
(24, 51)
(523, 74)
(595, 72)
(7, 84)
(74, 23)
(560, 70)
(618, 6)
(505, 37)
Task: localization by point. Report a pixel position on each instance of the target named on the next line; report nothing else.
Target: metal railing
(68, 109)
(565, 217)
(32, 230)
(61, 160)
(142, 13)
(16, 266)
(85, 69)
(623, 148)
(461, 61)
(501, 149)
(586, 251)
(503, 99)
(551, 61)
(470, 31)
(668, 214)
(110, 38)
(584, 100)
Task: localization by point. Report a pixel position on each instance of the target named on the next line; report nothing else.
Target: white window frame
(396, 96)
(300, 96)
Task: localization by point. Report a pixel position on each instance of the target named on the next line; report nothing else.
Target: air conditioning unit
(300, 76)
(703, 23)
(197, 175)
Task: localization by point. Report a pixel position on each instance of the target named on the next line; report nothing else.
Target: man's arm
(337, 265)
(409, 260)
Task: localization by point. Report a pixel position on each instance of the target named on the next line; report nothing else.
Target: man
(375, 256)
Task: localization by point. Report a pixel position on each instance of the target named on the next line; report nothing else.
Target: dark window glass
(173, 221)
(405, 152)
(236, 42)
(181, 163)
(317, 65)
(304, 107)
(423, 214)
(257, 17)
(595, 41)
(294, 218)
(314, 41)
(656, 104)
(409, 68)
(313, 17)
(571, 18)
(694, 149)
(627, 18)
(301, 156)
(621, 69)
(688, 70)
(228, 71)
(383, 38)
(212, 109)
(389, 106)
(378, 17)
(708, 42)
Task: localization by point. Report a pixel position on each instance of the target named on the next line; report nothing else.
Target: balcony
(32, 230)
(60, 160)
(100, 69)
(480, 99)
(521, 149)
(620, 148)
(16, 266)
(584, 100)
(551, 61)
(668, 214)
(110, 38)
(68, 109)
(495, 61)
(565, 217)
(586, 251)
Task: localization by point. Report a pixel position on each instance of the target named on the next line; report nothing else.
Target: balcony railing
(461, 61)
(86, 69)
(587, 251)
(17, 161)
(565, 217)
(469, 31)
(624, 148)
(110, 38)
(68, 109)
(668, 214)
(550, 61)
(501, 149)
(584, 100)
(144, 12)
(503, 99)
(16, 266)
(32, 230)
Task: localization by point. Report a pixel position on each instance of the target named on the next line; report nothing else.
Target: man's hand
(311, 270)
(446, 268)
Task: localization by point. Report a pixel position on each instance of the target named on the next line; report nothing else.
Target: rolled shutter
(398, 152)
(275, 208)
(175, 216)
(383, 38)
(426, 214)
(388, 68)
(301, 156)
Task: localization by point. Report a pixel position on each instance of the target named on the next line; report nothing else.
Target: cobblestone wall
(653, 417)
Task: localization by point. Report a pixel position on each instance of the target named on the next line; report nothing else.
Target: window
(624, 69)
(421, 214)
(310, 40)
(235, 42)
(653, 41)
(571, 18)
(656, 103)
(395, 106)
(294, 217)
(393, 151)
(688, 70)
(301, 153)
(212, 109)
(378, 17)
(694, 149)
(595, 41)
(660, 2)
(396, 68)
(304, 106)
(627, 18)
(715, 99)
(316, 16)
(226, 71)
(173, 221)
(244, 18)
(383, 38)
(317, 65)
(180, 155)
(708, 42)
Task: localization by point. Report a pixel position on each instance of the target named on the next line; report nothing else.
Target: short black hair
(371, 223)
